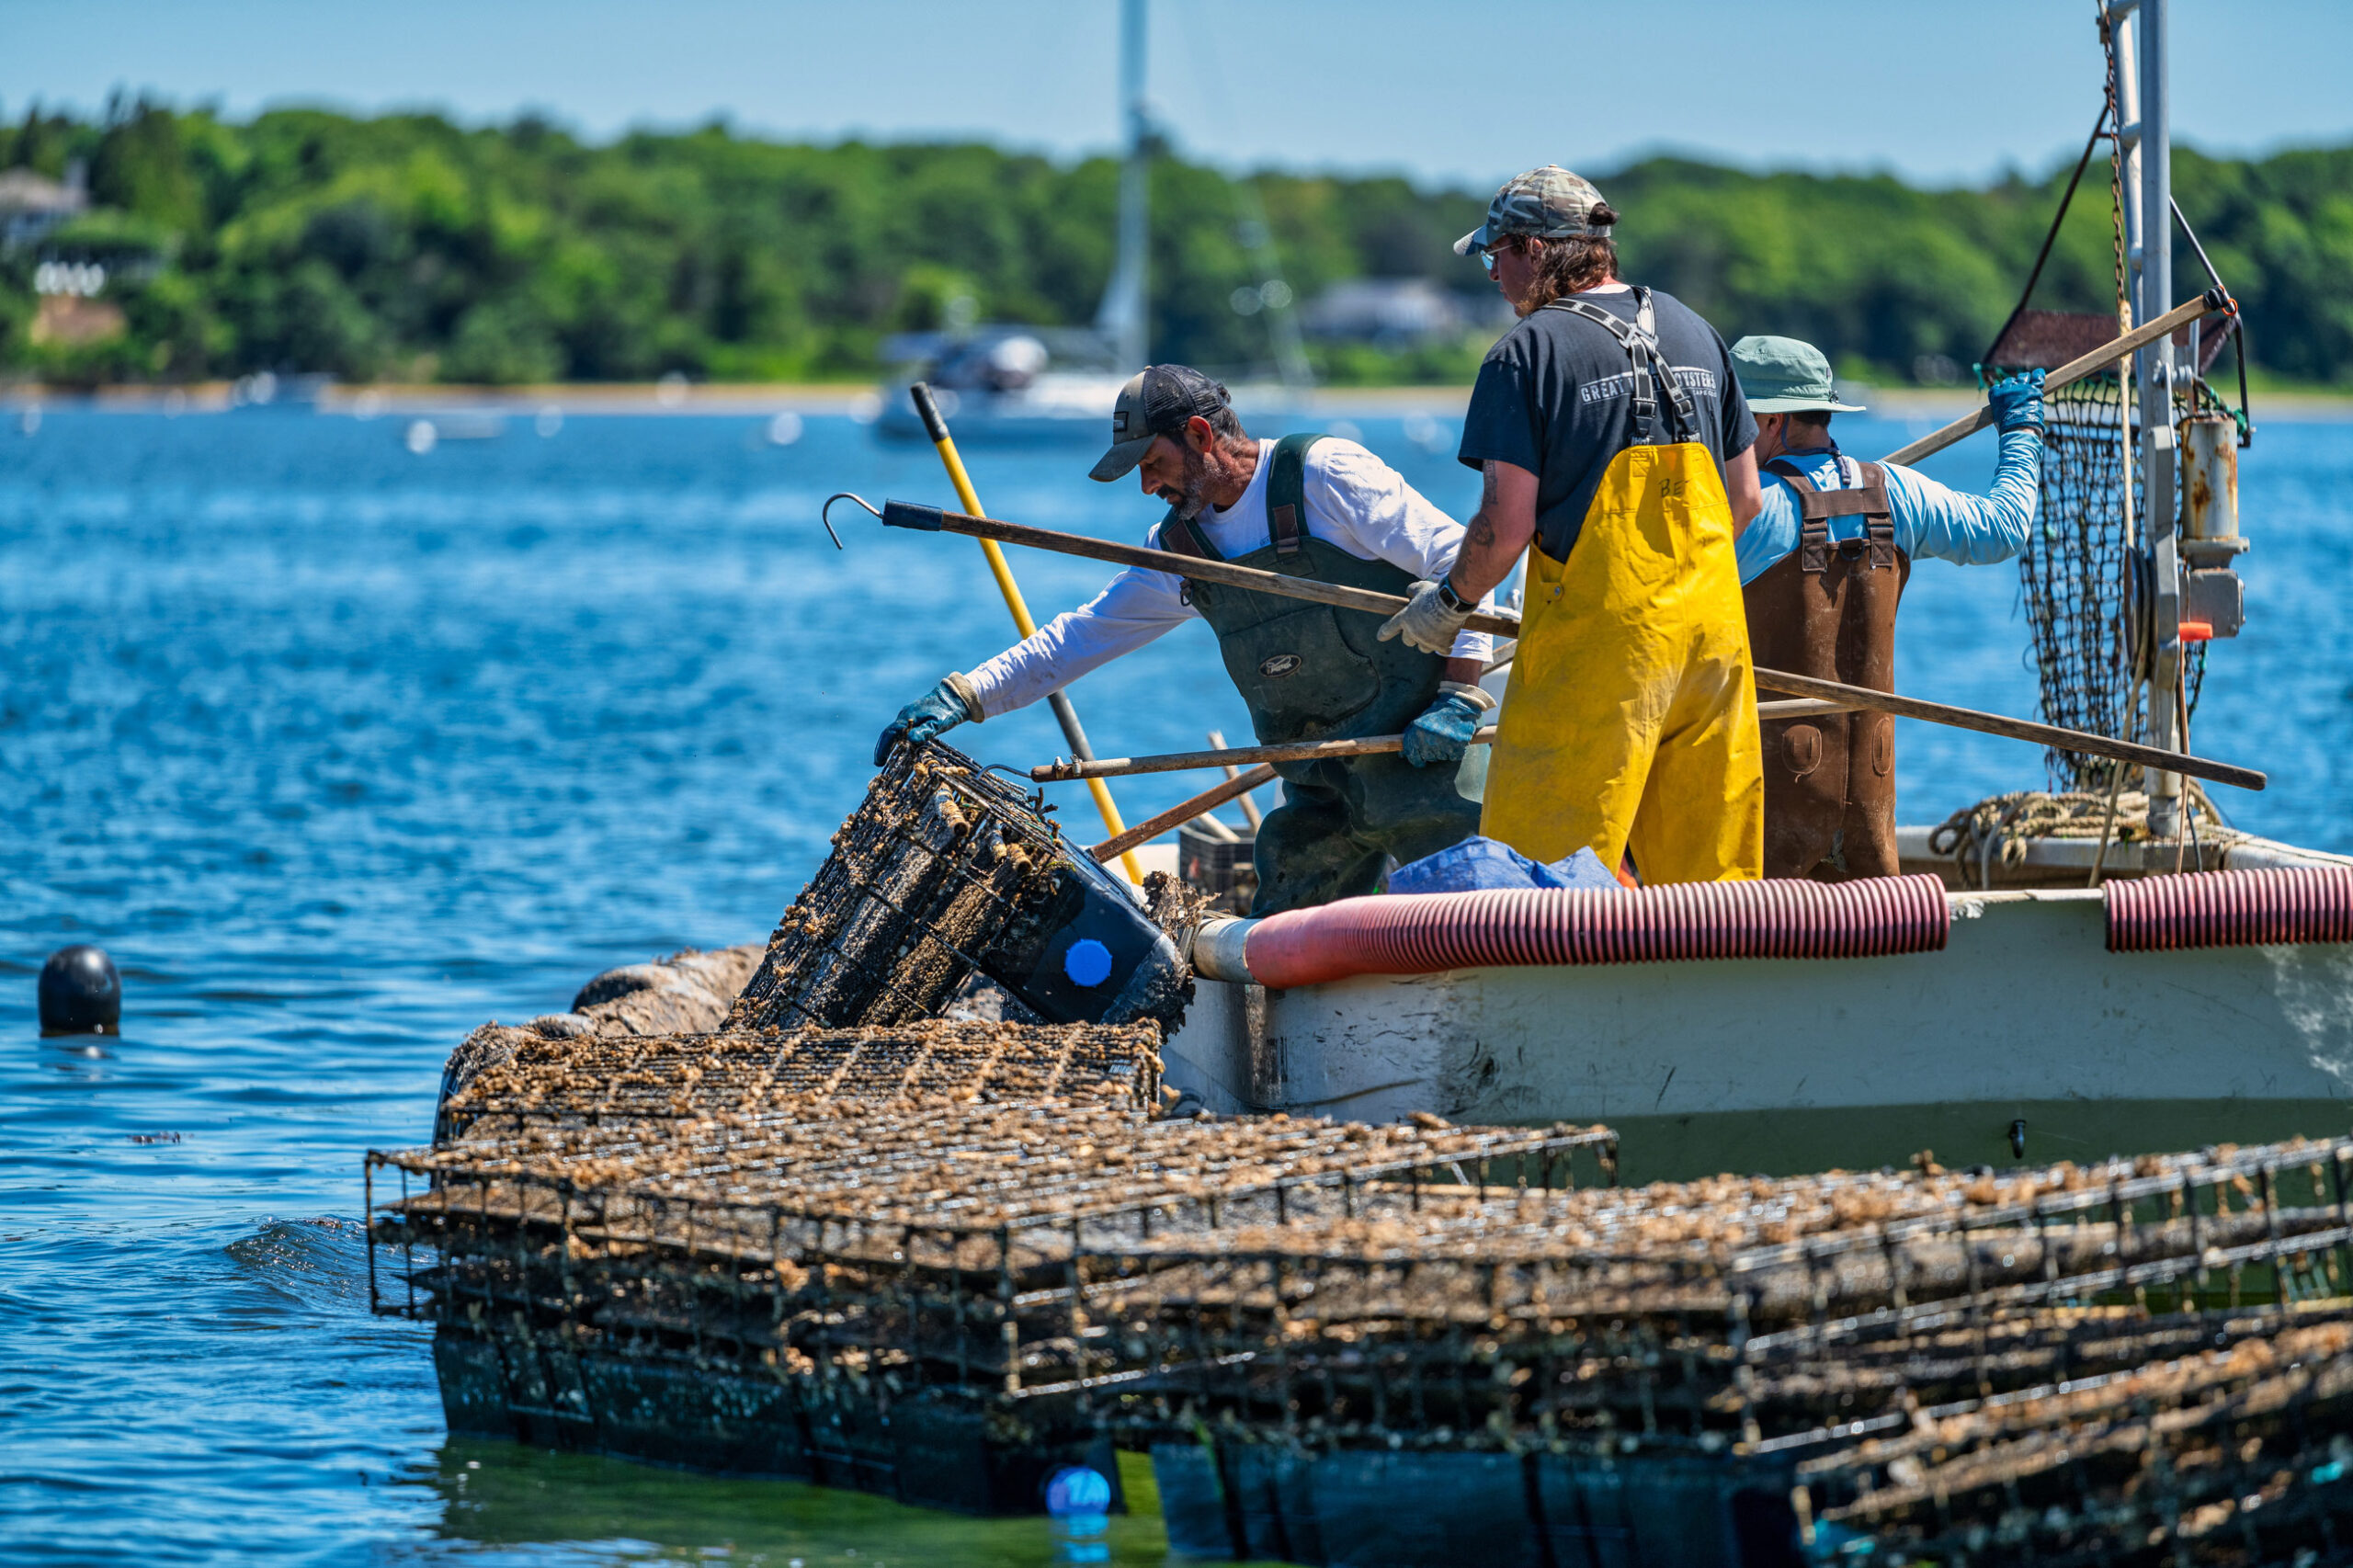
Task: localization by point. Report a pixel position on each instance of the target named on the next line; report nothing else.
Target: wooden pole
(1065, 714)
(1249, 806)
(2073, 371)
(2015, 729)
(1817, 697)
(1183, 812)
(1063, 770)
(908, 514)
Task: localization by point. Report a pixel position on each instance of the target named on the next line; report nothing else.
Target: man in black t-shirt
(1612, 435)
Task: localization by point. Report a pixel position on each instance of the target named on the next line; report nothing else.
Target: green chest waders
(1314, 673)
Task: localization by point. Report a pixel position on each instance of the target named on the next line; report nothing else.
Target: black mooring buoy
(80, 992)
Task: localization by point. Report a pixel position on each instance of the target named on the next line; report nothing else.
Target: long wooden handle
(1065, 770)
(1179, 815)
(1816, 696)
(2015, 729)
(2073, 371)
(907, 515)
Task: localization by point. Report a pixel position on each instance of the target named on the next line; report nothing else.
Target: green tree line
(408, 247)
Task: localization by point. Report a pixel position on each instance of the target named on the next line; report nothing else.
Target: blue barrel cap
(1077, 1490)
(1089, 963)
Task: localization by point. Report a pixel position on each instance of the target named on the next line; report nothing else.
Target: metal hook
(824, 517)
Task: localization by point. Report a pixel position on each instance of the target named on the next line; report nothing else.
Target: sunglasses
(1487, 253)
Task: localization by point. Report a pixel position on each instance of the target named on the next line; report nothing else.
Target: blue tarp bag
(1477, 863)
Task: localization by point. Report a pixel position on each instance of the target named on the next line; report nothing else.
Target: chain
(2130, 642)
(2116, 179)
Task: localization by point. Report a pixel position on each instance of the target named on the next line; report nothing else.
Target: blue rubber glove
(1443, 734)
(928, 718)
(2017, 402)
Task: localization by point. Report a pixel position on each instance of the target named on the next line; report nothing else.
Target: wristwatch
(1452, 600)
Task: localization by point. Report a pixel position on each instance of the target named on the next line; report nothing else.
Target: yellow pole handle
(1003, 572)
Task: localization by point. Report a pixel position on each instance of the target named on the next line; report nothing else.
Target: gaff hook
(825, 511)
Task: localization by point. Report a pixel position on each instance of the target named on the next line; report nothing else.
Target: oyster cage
(881, 1299)
(1297, 1306)
(782, 1075)
(945, 874)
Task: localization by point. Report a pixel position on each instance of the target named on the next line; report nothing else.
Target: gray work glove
(1443, 732)
(1430, 624)
(929, 717)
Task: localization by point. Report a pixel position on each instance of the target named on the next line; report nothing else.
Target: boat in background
(1004, 383)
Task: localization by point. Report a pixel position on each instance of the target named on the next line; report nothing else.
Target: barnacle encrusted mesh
(947, 872)
(939, 857)
(774, 1075)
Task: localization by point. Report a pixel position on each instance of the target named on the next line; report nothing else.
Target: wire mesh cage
(785, 1076)
(1068, 1272)
(945, 874)
(2237, 1453)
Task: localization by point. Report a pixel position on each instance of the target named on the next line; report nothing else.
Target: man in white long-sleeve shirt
(1306, 505)
(1822, 565)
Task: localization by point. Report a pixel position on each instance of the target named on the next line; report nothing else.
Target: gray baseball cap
(1781, 375)
(1158, 400)
(1549, 203)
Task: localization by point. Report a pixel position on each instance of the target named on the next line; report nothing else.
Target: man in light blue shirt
(1822, 565)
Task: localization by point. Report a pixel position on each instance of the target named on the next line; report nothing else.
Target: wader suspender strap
(1640, 343)
(1287, 494)
(1286, 506)
(1818, 506)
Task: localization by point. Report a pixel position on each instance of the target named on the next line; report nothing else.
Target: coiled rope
(1998, 830)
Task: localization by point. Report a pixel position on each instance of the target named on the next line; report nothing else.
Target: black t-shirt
(1555, 397)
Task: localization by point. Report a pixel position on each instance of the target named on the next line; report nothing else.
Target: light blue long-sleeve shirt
(1930, 519)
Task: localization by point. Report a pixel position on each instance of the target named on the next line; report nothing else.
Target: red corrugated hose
(1391, 935)
(2227, 909)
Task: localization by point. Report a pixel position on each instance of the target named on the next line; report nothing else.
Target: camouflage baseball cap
(1549, 203)
(1158, 400)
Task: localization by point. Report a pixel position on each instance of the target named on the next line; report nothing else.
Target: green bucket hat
(1781, 375)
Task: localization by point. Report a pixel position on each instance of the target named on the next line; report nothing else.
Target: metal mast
(1125, 311)
(2145, 115)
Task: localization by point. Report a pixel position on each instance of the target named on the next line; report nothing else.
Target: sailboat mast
(1125, 312)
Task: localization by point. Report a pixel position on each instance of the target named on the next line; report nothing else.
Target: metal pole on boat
(1064, 714)
(2154, 153)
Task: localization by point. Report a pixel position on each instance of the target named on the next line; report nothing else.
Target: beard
(1189, 497)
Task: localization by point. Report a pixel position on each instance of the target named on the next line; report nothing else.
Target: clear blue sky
(1443, 92)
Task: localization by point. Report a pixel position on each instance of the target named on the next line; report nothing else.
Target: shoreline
(854, 398)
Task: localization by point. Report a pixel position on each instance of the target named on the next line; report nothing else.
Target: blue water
(341, 751)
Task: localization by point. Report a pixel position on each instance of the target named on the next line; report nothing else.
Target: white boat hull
(1796, 1065)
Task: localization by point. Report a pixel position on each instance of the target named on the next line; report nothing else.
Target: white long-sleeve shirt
(1355, 503)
